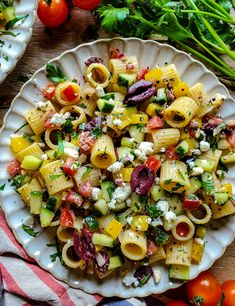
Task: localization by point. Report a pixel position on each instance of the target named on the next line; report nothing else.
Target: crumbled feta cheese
(115, 167)
(127, 157)
(132, 140)
(163, 206)
(196, 152)
(44, 156)
(121, 193)
(197, 171)
(191, 164)
(117, 122)
(156, 222)
(146, 147)
(169, 216)
(157, 180)
(163, 150)
(129, 219)
(140, 155)
(71, 152)
(95, 193)
(67, 115)
(199, 241)
(156, 275)
(100, 91)
(59, 119)
(112, 203)
(128, 202)
(41, 105)
(204, 146)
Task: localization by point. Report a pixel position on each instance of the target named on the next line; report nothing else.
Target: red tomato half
(177, 303)
(69, 167)
(155, 123)
(70, 93)
(171, 154)
(86, 4)
(74, 197)
(153, 163)
(52, 13)
(141, 73)
(13, 167)
(85, 189)
(47, 123)
(49, 91)
(182, 229)
(228, 288)
(67, 218)
(191, 201)
(151, 248)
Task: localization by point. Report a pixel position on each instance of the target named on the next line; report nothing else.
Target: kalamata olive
(143, 274)
(139, 92)
(105, 263)
(93, 60)
(142, 179)
(83, 245)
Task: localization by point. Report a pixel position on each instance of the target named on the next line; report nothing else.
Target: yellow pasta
(89, 105)
(102, 154)
(212, 156)
(98, 75)
(202, 99)
(105, 221)
(134, 245)
(65, 234)
(51, 137)
(159, 255)
(180, 112)
(187, 224)
(179, 252)
(164, 138)
(37, 116)
(34, 149)
(54, 178)
(174, 177)
(205, 215)
(221, 211)
(70, 262)
(76, 112)
(123, 65)
(169, 76)
(25, 190)
(86, 174)
(60, 91)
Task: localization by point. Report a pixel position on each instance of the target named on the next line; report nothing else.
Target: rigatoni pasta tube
(65, 234)
(70, 262)
(159, 255)
(34, 149)
(180, 112)
(188, 226)
(25, 190)
(212, 156)
(98, 75)
(202, 99)
(164, 138)
(124, 65)
(179, 252)
(54, 177)
(169, 76)
(222, 211)
(206, 214)
(51, 138)
(77, 113)
(60, 93)
(174, 177)
(134, 245)
(103, 154)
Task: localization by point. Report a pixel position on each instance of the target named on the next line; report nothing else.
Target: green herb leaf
(21, 127)
(153, 211)
(68, 127)
(28, 138)
(54, 177)
(92, 222)
(18, 181)
(2, 187)
(167, 182)
(87, 171)
(10, 24)
(55, 74)
(96, 132)
(29, 230)
(60, 145)
(51, 203)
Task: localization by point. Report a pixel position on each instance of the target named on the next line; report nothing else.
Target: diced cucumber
(160, 236)
(9, 13)
(227, 159)
(91, 222)
(114, 262)
(103, 240)
(123, 216)
(205, 164)
(102, 207)
(108, 96)
(195, 184)
(207, 182)
(123, 151)
(127, 142)
(31, 162)
(107, 188)
(106, 106)
(119, 206)
(51, 203)
(46, 216)
(200, 232)
(221, 197)
(136, 132)
(179, 272)
(35, 202)
(175, 204)
(126, 80)
(136, 205)
(157, 193)
(161, 95)
(182, 148)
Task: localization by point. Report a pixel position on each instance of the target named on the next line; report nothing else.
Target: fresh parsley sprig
(55, 74)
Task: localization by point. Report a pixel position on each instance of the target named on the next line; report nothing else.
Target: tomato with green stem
(228, 288)
(52, 13)
(86, 4)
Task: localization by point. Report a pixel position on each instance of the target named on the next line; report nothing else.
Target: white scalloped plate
(149, 53)
(14, 47)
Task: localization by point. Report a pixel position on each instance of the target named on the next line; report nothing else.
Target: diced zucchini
(123, 151)
(136, 204)
(221, 197)
(160, 236)
(123, 216)
(157, 193)
(207, 165)
(195, 184)
(9, 13)
(161, 95)
(31, 162)
(136, 132)
(207, 182)
(91, 222)
(108, 96)
(114, 262)
(179, 272)
(182, 148)
(227, 159)
(126, 80)
(106, 106)
(46, 217)
(107, 188)
(119, 206)
(35, 202)
(102, 207)
(103, 240)
(175, 204)
(127, 142)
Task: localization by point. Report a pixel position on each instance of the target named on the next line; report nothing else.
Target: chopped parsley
(18, 181)
(83, 105)
(167, 182)
(181, 174)
(178, 186)
(58, 253)
(28, 138)
(96, 132)
(153, 211)
(55, 74)
(21, 127)
(29, 230)
(68, 127)
(87, 171)
(10, 24)
(2, 187)
(60, 145)
(54, 177)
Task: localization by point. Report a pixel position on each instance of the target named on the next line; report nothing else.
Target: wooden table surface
(45, 46)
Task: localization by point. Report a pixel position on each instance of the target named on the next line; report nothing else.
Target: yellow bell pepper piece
(131, 110)
(192, 143)
(181, 90)
(153, 109)
(19, 143)
(154, 74)
(121, 115)
(114, 228)
(228, 187)
(140, 223)
(125, 174)
(184, 134)
(139, 118)
(197, 252)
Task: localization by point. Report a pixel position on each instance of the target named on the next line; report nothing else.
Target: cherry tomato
(52, 13)
(67, 218)
(114, 53)
(171, 154)
(49, 91)
(155, 123)
(204, 288)
(231, 140)
(153, 163)
(141, 73)
(228, 288)
(86, 4)
(177, 303)
(151, 248)
(191, 201)
(70, 93)
(85, 189)
(74, 197)
(182, 229)
(86, 142)
(69, 166)
(13, 167)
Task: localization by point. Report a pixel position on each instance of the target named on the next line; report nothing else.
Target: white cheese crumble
(156, 222)
(115, 167)
(41, 104)
(199, 241)
(140, 155)
(59, 119)
(71, 152)
(129, 219)
(196, 152)
(44, 156)
(156, 275)
(112, 204)
(204, 146)
(100, 91)
(191, 164)
(129, 279)
(128, 202)
(117, 122)
(95, 193)
(121, 193)
(197, 171)
(146, 147)
(127, 157)
(163, 150)
(157, 180)
(170, 216)
(163, 206)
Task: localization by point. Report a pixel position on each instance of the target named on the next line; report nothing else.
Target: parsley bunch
(204, 28)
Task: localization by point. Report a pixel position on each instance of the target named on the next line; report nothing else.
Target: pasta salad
(127, 167)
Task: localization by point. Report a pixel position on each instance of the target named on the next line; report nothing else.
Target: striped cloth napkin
(24, 283)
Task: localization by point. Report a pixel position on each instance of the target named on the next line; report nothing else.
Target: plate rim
(108, 41)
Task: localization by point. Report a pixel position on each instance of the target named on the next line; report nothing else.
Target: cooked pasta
(70, 262)
(204, 215)
(134, 245)
(98, 75)
(222, 211)
(34, 150)
(180, 222)
(128, 64)
(179, 252)
(169, 76)
(65, 234)
(159, 255)
(68, 93)
(76, 112)
(25, 190)
(102, 154)
(164, 138)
